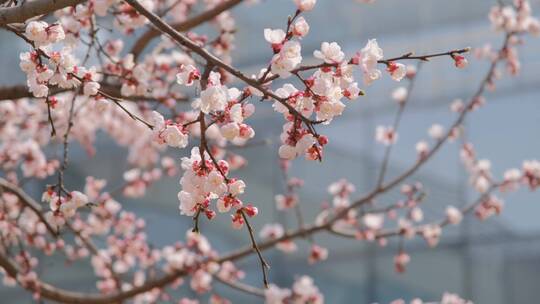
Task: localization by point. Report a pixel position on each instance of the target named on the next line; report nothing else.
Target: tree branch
(441, 223)
(21, 91)
(65, 143)
(207, 15)
(29, 9)
(383, 188)
(29, 202)
(241, 286)
(255, 248)
(210, 58)
(408, 56)
(397, 120)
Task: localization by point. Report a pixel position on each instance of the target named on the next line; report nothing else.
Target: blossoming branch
(185, 94)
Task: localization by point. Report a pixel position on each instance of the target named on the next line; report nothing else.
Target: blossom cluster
(226, 105)
(42, 34)
(63, 207)
(62, 71)
(303, 291)
(204, 181)
(447, 298)
(514, 17)
(323, 91)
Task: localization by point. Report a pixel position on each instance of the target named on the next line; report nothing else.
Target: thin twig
(397, 120)
(49, 117)
(196, 220)
(241, 286)
(408, 56)
(64, 163)
(255, 247)
(118, 102)
(411, 56)
(418, 230)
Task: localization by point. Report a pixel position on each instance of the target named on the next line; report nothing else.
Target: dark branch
(30, 9)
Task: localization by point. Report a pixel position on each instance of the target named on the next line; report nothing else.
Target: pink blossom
(453, 215)
(436, 131)
(317, 254)
(400, 261)
(188, 75)
(300, 27)
(330, 53)
(214, 98)
(369, 57)
(396, 70)
(305, 5)
(276, 295)
(91, 88)
(288, 58)
(386, 135)
(400, 94)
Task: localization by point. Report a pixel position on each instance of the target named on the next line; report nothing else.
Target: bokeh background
(495, 262)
